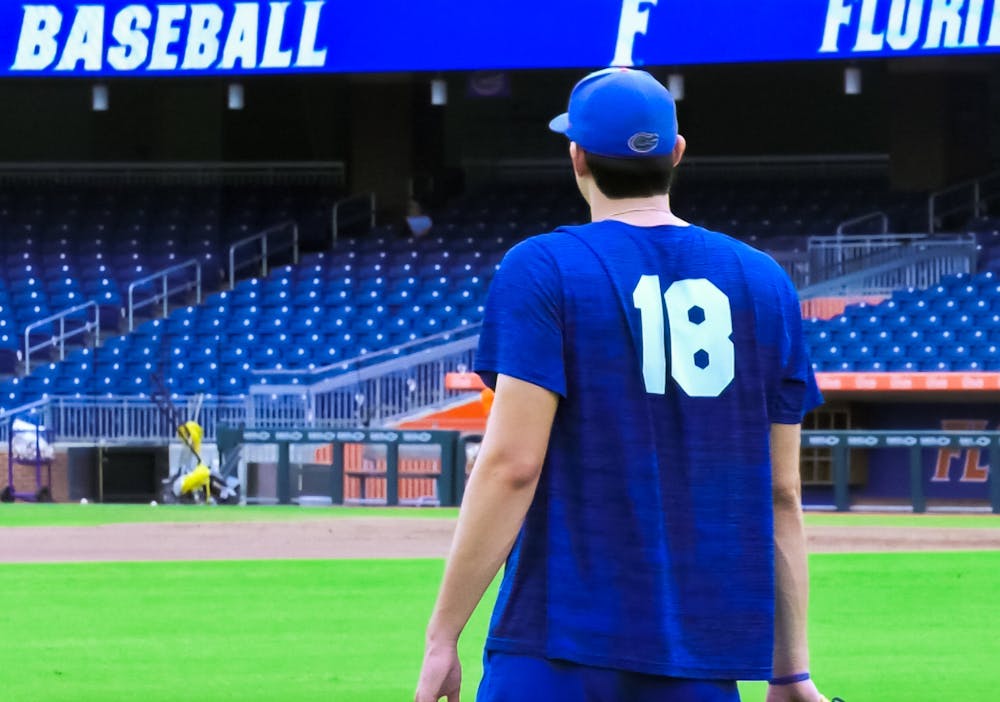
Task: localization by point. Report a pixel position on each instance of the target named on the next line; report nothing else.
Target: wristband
(790, 679)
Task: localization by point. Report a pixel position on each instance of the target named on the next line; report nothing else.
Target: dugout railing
(400, 467)
(917, 444)
(444, 478)
(377, 389)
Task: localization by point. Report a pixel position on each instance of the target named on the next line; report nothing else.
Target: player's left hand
(441, 674)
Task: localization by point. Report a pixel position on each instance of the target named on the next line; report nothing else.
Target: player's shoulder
(740, 248)
(534, 261)
(542, 250)
(756, 263)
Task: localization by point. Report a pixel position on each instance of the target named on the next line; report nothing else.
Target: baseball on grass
(83, 500)
(152, 503)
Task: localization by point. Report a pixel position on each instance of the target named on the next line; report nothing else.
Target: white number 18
(702, 356)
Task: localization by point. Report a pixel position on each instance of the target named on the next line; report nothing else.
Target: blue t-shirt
(649, 544)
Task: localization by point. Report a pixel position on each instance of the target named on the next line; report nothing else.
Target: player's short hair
(620, 178)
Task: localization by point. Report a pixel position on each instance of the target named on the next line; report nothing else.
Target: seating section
(330, 308)
(386, 289)
(780, 214)
(773, 214)
(954, 326)
(63, 247)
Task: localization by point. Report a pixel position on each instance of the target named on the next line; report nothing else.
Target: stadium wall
(950, 475)
(285, 119)
(24, 476)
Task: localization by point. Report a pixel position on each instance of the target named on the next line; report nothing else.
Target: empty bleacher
(377, 292)
(954, 326)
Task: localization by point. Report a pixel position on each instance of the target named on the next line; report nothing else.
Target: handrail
(24, 408)
(122, 418)
(167, 291)
(262, 258)
(934, 212)
(882, 249)
(880, 216)
(335, 214)
(832, 255)
(371, 394)
(367, 358)
(61, 337)
(940, 256)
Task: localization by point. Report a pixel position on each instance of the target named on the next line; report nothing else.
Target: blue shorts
(513, 678)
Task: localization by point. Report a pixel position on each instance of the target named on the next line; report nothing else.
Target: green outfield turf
(885, 627)
(25, 514)
(979, 521)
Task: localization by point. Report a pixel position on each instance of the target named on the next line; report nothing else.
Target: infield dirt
(374, 537)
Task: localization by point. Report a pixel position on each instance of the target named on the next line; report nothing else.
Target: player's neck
(639, 211)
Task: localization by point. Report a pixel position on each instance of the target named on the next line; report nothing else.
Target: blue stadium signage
(117, 37)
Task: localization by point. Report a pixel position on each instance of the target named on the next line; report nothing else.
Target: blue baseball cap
(620, 113)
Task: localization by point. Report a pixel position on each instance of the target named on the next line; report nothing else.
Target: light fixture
(852, 80)
(439, 92)
(236, 99)
(99, 100)
(675, 84)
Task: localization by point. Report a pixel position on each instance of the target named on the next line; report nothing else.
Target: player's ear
(579, 159)
(680, 146)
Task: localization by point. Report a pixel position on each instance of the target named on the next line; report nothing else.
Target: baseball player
(640, 469)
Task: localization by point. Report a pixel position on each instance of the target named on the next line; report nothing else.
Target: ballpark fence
(348, 466)
(394, 467)
(842, 443)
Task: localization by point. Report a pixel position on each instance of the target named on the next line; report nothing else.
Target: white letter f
(634, 21)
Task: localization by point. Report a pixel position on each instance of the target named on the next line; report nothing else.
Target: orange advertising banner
(908, 382)
(851, 382)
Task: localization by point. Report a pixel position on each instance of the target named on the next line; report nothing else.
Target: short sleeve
(795, 393)
(522, 333)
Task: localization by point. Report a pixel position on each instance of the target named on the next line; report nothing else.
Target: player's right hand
(441, 674)
(804, 691)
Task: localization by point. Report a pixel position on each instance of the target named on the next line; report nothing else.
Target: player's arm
(500, 490)
(791, 648)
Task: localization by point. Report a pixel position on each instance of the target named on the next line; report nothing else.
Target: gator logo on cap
(643, 142)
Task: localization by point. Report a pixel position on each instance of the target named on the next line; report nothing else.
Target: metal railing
(841, 442)
(352, 211)
(165, 291)
(968, 199)
(372, 395)
(34, 412)
(121, 418)
(880, 217)
(264, 248)
(315, 375)
(838, 255)
(58, 339)
(920, 265)
(795, 264)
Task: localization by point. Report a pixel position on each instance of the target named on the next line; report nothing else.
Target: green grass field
(22, 514)
(913, 627)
